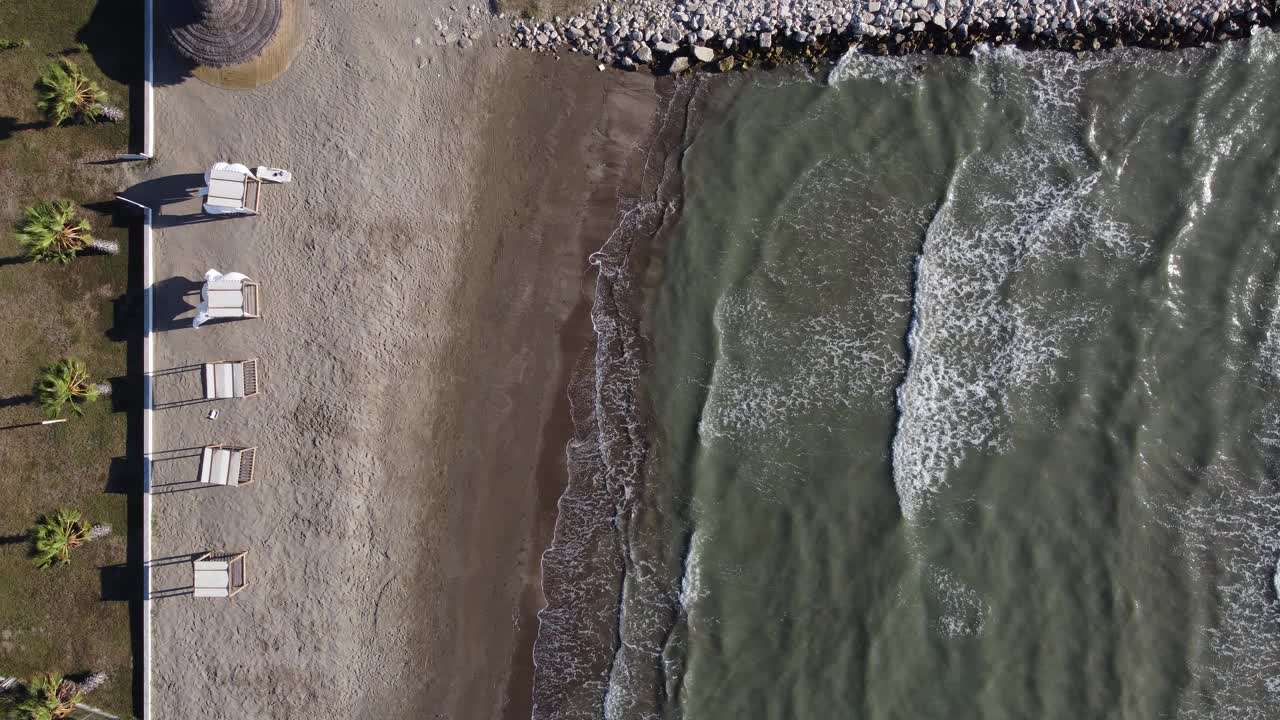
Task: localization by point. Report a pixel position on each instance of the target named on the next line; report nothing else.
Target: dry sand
(424, 286)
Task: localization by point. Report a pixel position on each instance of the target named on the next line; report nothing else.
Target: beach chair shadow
(178, 387)
(171, 576)
(167, 221)
(171, 302)
(176, 470)
(158, 192)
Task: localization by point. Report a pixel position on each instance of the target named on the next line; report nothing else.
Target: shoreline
(585, 567)
(568, 207)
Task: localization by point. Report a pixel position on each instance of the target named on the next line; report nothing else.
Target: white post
(148, 349)
(148, 82)
(148, 408)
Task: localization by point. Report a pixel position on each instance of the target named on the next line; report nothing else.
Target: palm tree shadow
(17, 400)
(13, 260)
(10, 125)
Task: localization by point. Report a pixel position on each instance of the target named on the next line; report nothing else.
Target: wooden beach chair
(230, 379)
(232, 298)
(226, 465)
(219, 575)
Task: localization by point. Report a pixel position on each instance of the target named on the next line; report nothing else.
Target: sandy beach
(425, 291)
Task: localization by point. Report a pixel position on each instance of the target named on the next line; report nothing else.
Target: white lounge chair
(226, 465)
(221, 575)
(227, 190)
(232, 298)
(229, 295)
(230, 379)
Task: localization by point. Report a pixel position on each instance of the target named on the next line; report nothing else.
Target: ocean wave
(979, 331)
(1231, 538)
(983, 328)
(782, 361)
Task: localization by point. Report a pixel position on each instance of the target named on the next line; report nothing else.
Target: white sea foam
(782, 361)
(887, 69)
(1232, 537)
(961, 611)
(983, 328)
(979, 332)
(691, 586)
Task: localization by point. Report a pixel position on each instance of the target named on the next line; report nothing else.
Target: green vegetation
(6, 44)
(64, 93)
(46, 696)
(75, 620)
(65, 383)
(56, 535)
(51, 232)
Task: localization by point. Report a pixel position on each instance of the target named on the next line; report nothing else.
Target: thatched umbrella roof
(222, 32)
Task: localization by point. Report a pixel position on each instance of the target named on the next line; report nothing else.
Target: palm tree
(50, 232)
(64, 93)
(66, 382)
(56, 535)
(47, 696)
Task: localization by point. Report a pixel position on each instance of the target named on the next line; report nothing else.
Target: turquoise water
(959, 391)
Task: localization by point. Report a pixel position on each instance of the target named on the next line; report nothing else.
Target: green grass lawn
(58, 619)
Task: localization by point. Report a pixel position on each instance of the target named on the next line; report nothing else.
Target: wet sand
(425, 291)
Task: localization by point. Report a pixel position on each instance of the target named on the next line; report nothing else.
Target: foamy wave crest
(782, 360)
(1232, 538)
(828, 360)
(691, 587)
(979, 331)
(886, 70)
(1267, 361)
(959, 610)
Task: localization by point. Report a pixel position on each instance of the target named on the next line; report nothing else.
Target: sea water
(958, 397)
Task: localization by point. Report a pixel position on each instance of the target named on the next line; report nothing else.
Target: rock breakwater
(726, 34)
